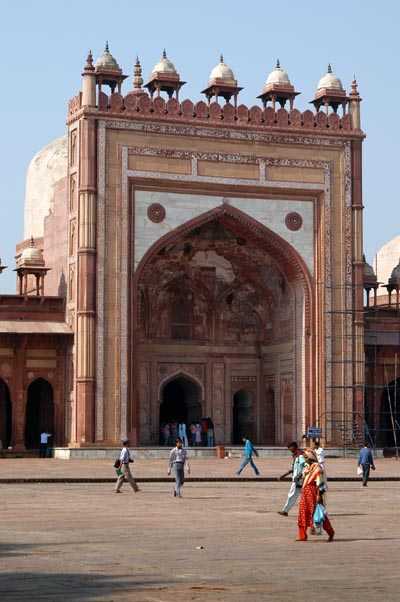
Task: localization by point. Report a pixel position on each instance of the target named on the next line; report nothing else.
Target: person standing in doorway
(178, 462)
(192, 429)
(44, 440)
(125, 460)
(182, 433)
(249, 450)
(204, 432)
(366, 462)
(198, 434)
(210, 433)
(298, 464)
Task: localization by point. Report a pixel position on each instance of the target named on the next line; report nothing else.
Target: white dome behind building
(47, 167)
(385, 261)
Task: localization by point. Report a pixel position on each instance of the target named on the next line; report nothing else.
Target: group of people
(309, 480)
(198, 434)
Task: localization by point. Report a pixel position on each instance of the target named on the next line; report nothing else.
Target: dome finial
(221, 58)
(278, 65)
(164, 54)
(329, 68)
(137, 77)
(107, 49)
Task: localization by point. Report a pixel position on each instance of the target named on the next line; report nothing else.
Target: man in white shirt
(125, 460)
(44, 439)
(177, 462)
(319, 452)
(298, 464)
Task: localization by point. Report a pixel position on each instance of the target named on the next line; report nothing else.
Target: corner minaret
(354, 106)
(89, 83)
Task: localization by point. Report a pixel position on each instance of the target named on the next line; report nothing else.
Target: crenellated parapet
(277, 92)
(134, 107)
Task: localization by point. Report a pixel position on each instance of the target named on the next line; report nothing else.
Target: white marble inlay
(181, 208)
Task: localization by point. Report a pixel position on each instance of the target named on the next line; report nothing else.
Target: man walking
(249, 449)
(44, 440)
(125, 460)
(366, 462)
(177, 463)
(296, 472)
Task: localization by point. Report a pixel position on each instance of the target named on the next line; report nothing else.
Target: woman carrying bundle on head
(312, 493)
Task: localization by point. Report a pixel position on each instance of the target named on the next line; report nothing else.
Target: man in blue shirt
(249, 449)
(366, 462)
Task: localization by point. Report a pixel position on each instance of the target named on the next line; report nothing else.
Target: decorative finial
(278, 65)
(137, 77)
(32, 242)
(89, 62)
(221, 58)
(106, 49)
(354, 91)
(164, 54)
(329, 68)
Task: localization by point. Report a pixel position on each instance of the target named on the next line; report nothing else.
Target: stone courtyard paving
(223, 541)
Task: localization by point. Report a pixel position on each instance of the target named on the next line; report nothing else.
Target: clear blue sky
(45, 44)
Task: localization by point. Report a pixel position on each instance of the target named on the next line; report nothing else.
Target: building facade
(208, 259)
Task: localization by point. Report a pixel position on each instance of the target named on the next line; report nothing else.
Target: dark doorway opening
(39, 412)
(180, 402)
(242, 416)
(5, 415)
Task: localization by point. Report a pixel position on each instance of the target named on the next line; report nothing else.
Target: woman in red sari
(313, 492)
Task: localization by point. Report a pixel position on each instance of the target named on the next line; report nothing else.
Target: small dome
(368, 270)
(32, 255)
(222, 71)
(395, 275)
(164, 65)
(385, 259)
(107, 60)
(277, 76)
(330, 81)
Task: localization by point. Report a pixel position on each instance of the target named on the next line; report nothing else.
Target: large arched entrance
(242, 416)
(39, 412)
(5, 415)
(180, 401)
(226, 298)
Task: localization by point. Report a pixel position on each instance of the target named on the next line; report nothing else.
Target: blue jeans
(210, 441)
(246, 460)
(179, 477)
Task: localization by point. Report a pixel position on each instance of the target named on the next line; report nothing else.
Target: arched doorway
(39, 412)
(242, 416)
(180, 401)
(5, 415)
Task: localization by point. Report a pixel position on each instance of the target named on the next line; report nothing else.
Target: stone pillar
(86, 285)
(18, 397)
(358, 276)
